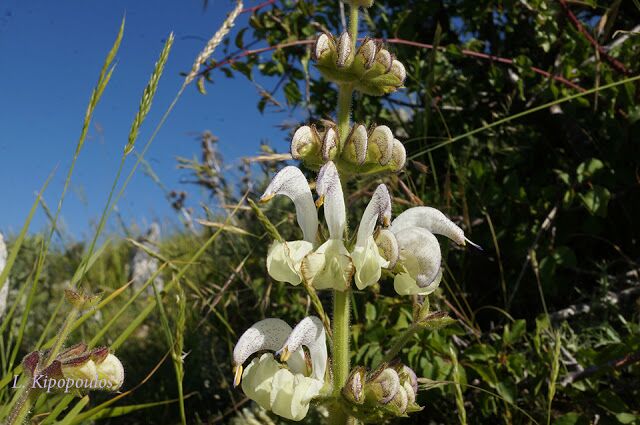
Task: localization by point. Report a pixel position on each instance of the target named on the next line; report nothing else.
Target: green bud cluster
(371, 69)
(365, 151)
(387, 392)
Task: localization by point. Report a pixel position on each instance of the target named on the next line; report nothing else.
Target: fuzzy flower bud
(324, 46)
(344, 51)
(354, 388)
(397, 69)
(111, 370)
(330, 144)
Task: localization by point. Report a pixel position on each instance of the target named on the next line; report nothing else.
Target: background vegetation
(516, 126)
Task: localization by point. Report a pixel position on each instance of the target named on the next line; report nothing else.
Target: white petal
(257, 379)
(291, 183)
(310, 333)
(4, 292)
(404, 284)
(305, 389)
(379, 209)
(431, 219)
(329, 189)
(368, 264)
(282, 393)
(267, 334)
(420, 254)
(329, 267)
(285, 259)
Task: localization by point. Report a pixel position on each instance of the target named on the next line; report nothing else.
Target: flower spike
(291, 183)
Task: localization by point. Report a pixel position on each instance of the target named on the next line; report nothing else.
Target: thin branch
(615, 63)
(257, 7)
(492, 58)
(593, 370)
(233, 58)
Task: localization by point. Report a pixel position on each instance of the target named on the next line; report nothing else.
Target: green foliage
(549, 189)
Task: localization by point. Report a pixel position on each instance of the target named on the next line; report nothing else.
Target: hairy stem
(341, 339)
(22, 406)
(400, 342)
(345, 95)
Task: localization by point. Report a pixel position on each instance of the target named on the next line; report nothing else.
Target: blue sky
(50, 57)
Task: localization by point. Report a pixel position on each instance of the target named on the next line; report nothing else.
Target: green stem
(341, 337)
(62, 336)
(400, 342)
(341, 353)
(345, 95)
(353, 25)
(22, 406)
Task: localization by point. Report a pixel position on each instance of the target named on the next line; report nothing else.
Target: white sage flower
(366, 256)
(287, 388)
(144, 265)
(419, 255)
(330, 266)
(4, 291)
(284, 258)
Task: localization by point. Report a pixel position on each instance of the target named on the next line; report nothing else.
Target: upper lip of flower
(292, 183)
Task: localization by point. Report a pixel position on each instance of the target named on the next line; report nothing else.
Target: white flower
(419, 255)
(284, 258)
(288, 389)
(4, 291)
(329, 266)
(366, 256)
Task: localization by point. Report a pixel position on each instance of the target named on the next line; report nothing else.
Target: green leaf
(588, 169)
(571, 418)
(596, 200)
(513, 332)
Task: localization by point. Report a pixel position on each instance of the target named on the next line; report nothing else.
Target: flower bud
(383, 386)
(330, 144)
(354, 388)
(323, 47)
(305, 141)
(368, 51)
(30, 362)
(384, 58)
(397, 69)
(380, 146)
(355, 150)
(111, 370)
(398, 155)
(400, 401)
(344, 51)
(81, 367)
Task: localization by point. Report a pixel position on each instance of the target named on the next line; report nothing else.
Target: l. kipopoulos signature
(49, 384)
